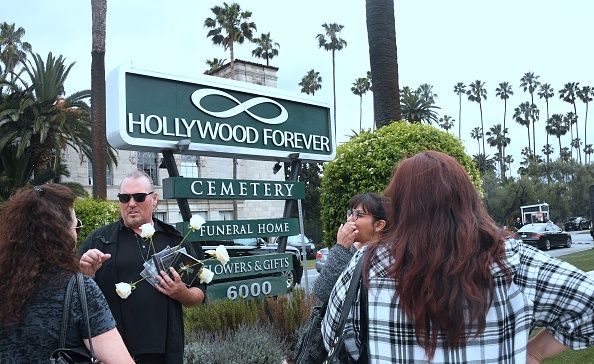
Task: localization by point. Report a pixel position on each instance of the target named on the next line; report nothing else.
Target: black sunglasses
(78, 226)
(138, 197)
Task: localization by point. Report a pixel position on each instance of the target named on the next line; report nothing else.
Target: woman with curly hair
(445, 284)
(37, 259)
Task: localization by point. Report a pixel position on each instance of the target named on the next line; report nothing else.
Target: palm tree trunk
(482, 128)
(577, 133)
(232, 68)
(528, 128)
(334, 89)
(360, 112)
(383, 60)
(547, 102)
(99, 140)
(586, 129)
(533, 122)
(460, 116)
(559, 138)
(504, 132)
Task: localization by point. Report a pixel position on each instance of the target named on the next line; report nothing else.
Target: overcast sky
(439, 42)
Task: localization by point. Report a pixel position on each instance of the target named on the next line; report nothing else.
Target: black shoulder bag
(64, 355)
(310, 346)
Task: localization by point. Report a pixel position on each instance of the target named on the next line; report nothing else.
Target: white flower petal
(147, 230)
(206, 275)
(123, 289)
(196, 222)
(222, 254)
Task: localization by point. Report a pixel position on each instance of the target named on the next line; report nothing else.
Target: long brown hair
(35, 242)
(443, 243)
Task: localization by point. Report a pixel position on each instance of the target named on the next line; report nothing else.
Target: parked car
(544, 235)
(295, 241)
(259, 246)
(576, 223)
(321, 257)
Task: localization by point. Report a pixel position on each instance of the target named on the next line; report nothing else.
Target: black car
(258, 246)
(295, 241)
(544, 235)
(576, 223)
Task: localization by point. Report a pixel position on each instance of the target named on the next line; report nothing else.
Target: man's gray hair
(139, 174)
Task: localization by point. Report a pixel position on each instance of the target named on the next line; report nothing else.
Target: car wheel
(290, 279)
(547, 244)
(568, 242)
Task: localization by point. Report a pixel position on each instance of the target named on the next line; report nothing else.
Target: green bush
(249, 344)
(221, 321)
(366, 164)
(94, 214)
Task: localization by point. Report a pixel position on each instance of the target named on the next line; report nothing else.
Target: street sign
(238, 229)
(224, 189)
(247, 289)
(216, 117)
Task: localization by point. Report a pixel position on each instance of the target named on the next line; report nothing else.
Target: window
(226, 215)
(108, 174)
(147, 162)
(189, 166)
(161, 215)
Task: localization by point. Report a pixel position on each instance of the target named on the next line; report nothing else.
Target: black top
(32, 340)
(149, 322)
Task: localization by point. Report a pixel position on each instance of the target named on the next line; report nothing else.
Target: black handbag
(310, 347)
(80, 355)
(338, 352)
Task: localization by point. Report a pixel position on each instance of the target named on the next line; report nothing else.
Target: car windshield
(533, 228)
(296, 239)
(573, 218)
(246, 241)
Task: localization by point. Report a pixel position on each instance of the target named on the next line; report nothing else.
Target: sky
(439, 42)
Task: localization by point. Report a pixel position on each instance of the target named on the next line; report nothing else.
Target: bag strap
(350, 295)
(83, 303)
(78, 280)
(364, 327)
(66, 311)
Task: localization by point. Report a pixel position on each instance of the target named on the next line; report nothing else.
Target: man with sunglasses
(150, 319)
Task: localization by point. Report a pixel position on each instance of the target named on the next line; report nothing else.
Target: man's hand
(91, 261)
(171, 285)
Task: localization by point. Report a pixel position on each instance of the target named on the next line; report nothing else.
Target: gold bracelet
(535, 356)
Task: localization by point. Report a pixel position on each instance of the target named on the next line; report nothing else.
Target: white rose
(196, 222)
(147, 230)
(123, 289)
(206, 275)
(220, 254)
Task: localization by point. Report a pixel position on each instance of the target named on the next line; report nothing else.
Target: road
(581, 240)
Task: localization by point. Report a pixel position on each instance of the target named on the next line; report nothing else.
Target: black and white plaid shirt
(545, 292)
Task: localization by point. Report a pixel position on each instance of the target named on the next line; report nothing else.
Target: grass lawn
(585, 261)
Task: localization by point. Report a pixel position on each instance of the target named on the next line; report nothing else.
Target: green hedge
(94, 214)
(366, 164)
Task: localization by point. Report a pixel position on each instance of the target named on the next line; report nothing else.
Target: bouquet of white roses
(174, 257)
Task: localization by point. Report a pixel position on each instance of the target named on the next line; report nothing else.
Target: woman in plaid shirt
(447, 285)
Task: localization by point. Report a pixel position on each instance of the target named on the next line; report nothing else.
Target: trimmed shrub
(249, 344)
(366, 164)
(223, 316)
(94, 214)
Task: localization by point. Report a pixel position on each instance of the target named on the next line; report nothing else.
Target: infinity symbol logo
(198, 95)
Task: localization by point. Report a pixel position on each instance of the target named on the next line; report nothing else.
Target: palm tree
(446, 122)
(504, 91)
(558, 127)
(524, 114)
(383, 59)
(546, 92)
(588, 152)
(12, 49)
(43, 121)
(477, 134)
(477, 93)
(266, 48)
(547, 150)
(331, 42)
(483, 163)
(425, 91)
(497, 138)
(360, 88)
(508, 160)
(585, 94)
(570, 120)
(460, 89)
(99, 145)
(311, 82)
(569, 94)
(530, 82)
(230, 25)
(416, 109)
(214, 64)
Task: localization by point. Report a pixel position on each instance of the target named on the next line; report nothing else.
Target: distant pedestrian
(518, 224)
